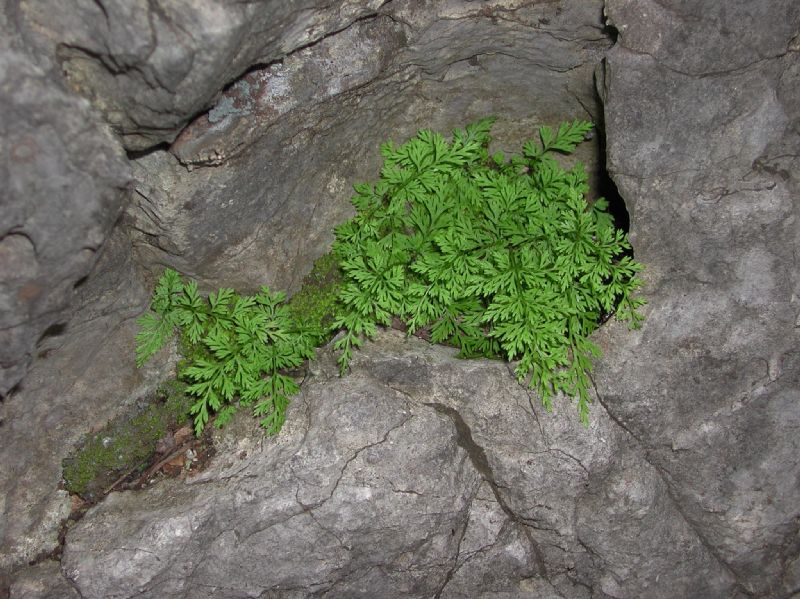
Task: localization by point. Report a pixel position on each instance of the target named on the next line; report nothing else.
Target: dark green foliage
(500, 258)
(238, 348)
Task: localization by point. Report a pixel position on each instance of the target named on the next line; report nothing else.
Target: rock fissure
(308, 509)
(706, 73)
(480, 462)
(456, 555)
(351, 459)
(310, 45)
(404, 491)
(664, 477)
(548, 447)
(571, 457)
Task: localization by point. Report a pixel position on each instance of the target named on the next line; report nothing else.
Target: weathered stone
(151, 66)
(64, 181)
(42, 581)
(419, 475)
(83, 377)
(415, 475)
(703, 145)
(310, 76)
(705, 38)
(287, 149)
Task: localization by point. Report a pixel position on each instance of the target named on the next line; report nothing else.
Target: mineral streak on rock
(333, 66)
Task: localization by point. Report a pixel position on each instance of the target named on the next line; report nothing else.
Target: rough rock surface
(42, 581)
(82, 378)
(416, 475)
(64, 181)
(261, 218)
(271, 166)
(704, 145)
(152, 65)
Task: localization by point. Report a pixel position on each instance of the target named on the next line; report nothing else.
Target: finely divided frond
(242, 346)
(499, 257)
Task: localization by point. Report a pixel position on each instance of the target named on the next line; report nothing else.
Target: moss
(315, 304)
(126, 444)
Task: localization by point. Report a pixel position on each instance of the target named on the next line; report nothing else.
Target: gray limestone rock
(83, 377)
(415, 475)
(64, 183)
(263, 215)
(703, 144)
(339, 63)
(261, 180)
(150, 66)
(42, 581)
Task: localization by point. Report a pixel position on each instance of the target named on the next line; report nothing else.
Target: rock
(42, 581)
(703, 145)
(64, 186)
(274, 162)
(415, 475)
(82, 378)
(707, 33)
(150, 67)
(249, 221)
(335, 65)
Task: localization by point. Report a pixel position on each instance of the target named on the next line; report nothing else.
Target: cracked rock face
(64, 185)
(251, 190)
(150, 66)
(81, 380)
(416, 475)
(709, 386)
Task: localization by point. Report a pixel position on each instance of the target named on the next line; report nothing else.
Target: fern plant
(500, 258)
(239, 349)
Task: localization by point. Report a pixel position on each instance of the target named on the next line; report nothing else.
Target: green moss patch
(315, 304)
(125, 445)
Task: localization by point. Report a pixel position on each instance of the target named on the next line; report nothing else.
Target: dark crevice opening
(47, 341)
(54, 330)
(253, 68)
(606, 187)
(16, 388)
(136, 154)
(611, 31)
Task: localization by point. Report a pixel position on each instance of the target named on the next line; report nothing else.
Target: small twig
(157, 466)
(120, 479)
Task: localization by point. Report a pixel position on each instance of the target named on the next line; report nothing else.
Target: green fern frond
(501, 257)
(154, 332)
(243, 344)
